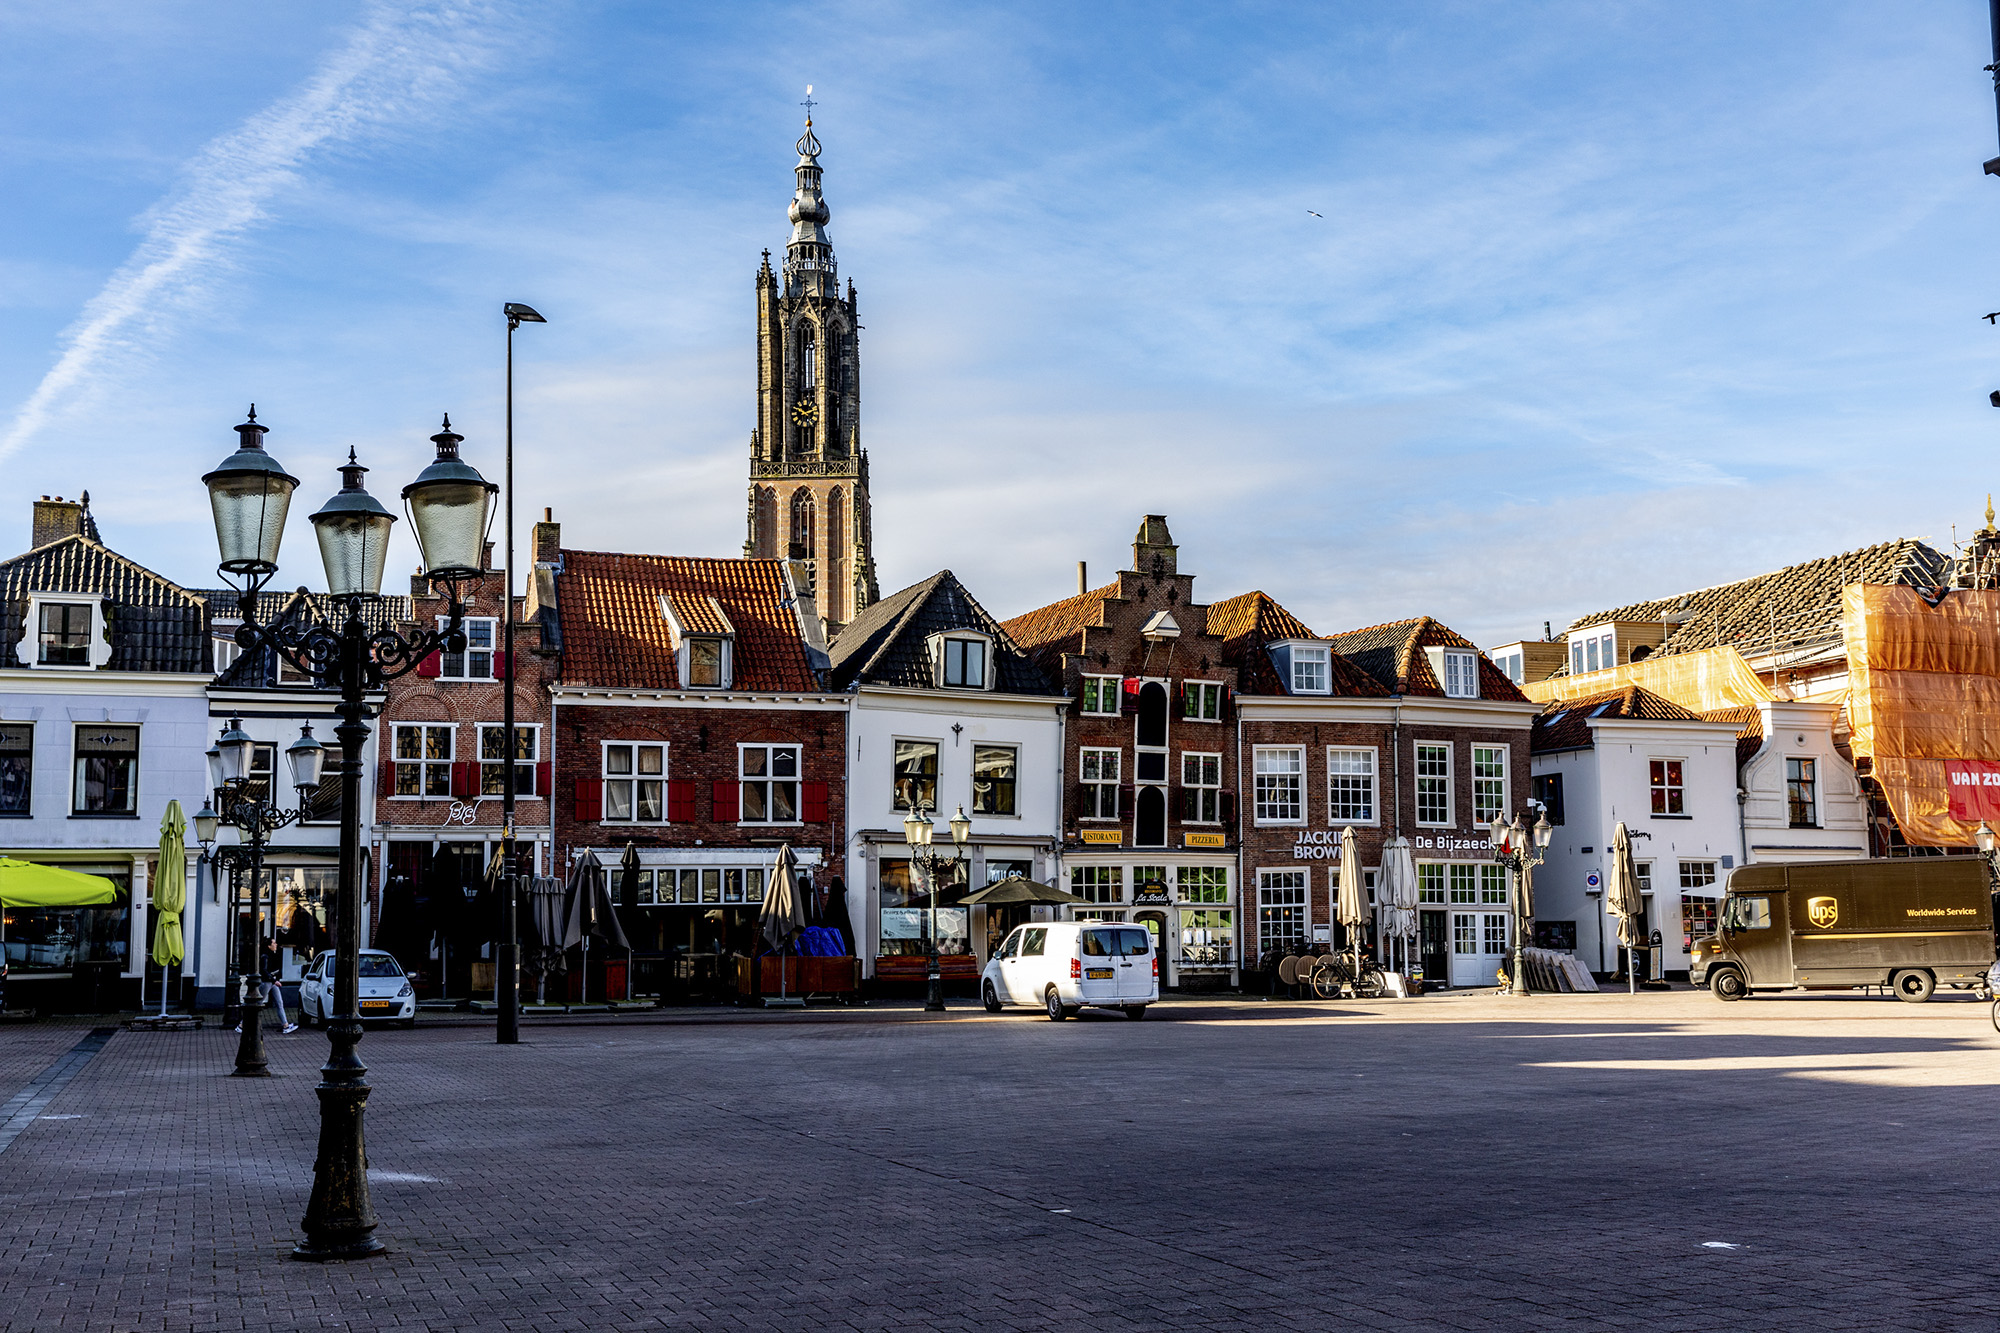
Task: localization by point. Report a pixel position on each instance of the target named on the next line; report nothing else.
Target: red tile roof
(699, 614)
(1565, 723)
(1249, 623)
(615, 635)
(1393, 655)
(1232, 618)
(1059, 622)
(1749, 720)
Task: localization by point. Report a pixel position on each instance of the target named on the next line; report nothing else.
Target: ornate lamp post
(1517, 847)
(451, 509)
(507, 969)
(256, 817)
(918, 831)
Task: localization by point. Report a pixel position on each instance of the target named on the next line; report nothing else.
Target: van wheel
(992, 1000)
(1726, 983)
(1135, 1012)
(1913, 987)
(1056, 1011)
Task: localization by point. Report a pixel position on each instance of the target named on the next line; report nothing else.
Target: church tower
(808, 472)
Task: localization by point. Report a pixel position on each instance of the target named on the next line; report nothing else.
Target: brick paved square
(1445, 1164)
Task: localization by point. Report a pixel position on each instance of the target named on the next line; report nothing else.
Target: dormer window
(705, 663)
(1461, 675)
(962, 660)
(64, 632)
(704, 640)
(1310, 672)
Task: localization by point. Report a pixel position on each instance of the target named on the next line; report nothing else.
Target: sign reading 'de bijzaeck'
(1975, 789)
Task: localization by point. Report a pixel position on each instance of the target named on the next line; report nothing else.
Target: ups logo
(1822, 912)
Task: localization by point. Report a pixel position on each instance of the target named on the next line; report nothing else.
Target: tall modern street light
(918, 831)
(507, 983)
(256, 816)
(451, 509)
(1519, 848)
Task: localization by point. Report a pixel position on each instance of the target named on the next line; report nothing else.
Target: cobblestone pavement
(1447, 1164)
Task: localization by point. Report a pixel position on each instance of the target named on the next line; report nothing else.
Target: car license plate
(1098, 973)
(376, 1006)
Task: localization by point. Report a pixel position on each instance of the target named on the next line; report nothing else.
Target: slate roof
(154, 624)
(1250, 622)
(1565, 723)
(258, 669)
(888, 644)
(1791, 608)
(1392, 654)
(615, 635)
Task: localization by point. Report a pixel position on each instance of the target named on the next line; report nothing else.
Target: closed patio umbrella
(169, 896)
(1353, 904)
(591, 912)
(1396, 890)
(628, 904)
(783, 915)
(1621, 896)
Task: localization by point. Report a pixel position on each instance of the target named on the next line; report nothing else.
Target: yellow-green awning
(26, 884)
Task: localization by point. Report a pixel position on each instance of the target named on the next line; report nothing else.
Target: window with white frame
(1596, 652)
(476, 662)
(707, 662)
(1203, 884)
(1464, 882)
(1461, 674)
(493, 760)
(1492, 883)
(1802, 792)
(423, 758)
(916, 775)
(63, 634)
(1201, 701)
(1098, 783)
(1100, 695)
(1201, 788)
(1281, 909)
(1433, 783)
(1350, 786)
(1280, 785)
(1311, 673)
(635, 782)
(964, 664)
(770, 783)
(995, 779)
(1489, 783)
(107, 770)
(1669, 796)
(225, 650)
(1098, 884)
(1697, 875)
(1430, 882)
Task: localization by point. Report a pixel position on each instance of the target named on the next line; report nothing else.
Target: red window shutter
(680, 801)
(589, 800)
(1128, 694)
(815, 802)
(464, 786)
(544, 779)
(728, 803)
(1229, 807)
(1228, 703)
(1125, 800)
(432, 666)
(499, 666)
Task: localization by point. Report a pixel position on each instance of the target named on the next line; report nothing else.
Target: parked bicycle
(1335, 975)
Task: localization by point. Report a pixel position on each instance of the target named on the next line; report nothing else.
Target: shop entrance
(1478, 946)
(1156, 926)
(1434, 947)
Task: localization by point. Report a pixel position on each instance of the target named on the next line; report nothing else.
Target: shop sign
(1107, 836)
(1152, 892)
(1975, 789)
(1454, 842)
(1316, 845)
(1206, 840)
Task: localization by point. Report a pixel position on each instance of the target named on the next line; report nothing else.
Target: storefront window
(1204, 884)
(905, 917)
(60, 939)
(1697, 921)
(1430, 883)
(1098, 884)
(1281, 909)
(999, 870)
(1207, 939)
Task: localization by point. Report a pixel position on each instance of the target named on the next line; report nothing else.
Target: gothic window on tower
(802, 527)
(836, 557)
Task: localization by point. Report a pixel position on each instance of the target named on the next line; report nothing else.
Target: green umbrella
(25, 884)
(170, 895)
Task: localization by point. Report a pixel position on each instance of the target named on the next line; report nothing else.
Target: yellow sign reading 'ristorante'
(1103, 835)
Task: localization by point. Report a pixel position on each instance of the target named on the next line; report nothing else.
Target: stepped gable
(615, 632)
(1392, 655)
(153, 623)
(1794, 607)
(1565, 724)
(889, 643)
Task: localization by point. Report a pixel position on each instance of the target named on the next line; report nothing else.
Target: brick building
(441, 754)
(690, 717)
(1149, 814)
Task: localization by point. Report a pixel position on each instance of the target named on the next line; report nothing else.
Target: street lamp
(257, 817)
(918, 833)
(507, 967)
(450, 507)
(1519, 847)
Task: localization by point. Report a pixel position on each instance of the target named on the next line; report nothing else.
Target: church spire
(809, 266)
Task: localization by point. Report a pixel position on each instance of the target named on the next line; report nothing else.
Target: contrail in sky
(397, 62)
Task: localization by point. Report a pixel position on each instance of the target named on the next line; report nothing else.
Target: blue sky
(1606, 301)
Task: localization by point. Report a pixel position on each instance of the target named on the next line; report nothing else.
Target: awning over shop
(1015, 889)
(26, 884)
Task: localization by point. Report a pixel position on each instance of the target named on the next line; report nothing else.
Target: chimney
(548, 539)
(1082, 578)
(1153, 550)
(56, 519)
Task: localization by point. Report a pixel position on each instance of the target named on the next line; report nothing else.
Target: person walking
(274, 996)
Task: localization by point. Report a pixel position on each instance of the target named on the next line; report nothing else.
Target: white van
(1065, 965)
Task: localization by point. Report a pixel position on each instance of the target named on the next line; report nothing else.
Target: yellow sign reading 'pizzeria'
(1207, 840)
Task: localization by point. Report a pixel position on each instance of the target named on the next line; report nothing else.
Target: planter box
(915, 967)
(803, 976)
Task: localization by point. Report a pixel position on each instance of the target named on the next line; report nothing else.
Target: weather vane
(809, 104)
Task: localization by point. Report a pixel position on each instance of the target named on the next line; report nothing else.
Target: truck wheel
(991, 1000)
(1056, 1011)
(1726, 983)
(1135, 1012)
(1913, 987)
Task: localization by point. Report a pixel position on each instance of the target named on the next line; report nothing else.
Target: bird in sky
(1320, 216)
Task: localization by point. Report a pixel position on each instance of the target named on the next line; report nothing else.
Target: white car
(386, 994)
(1062, 966)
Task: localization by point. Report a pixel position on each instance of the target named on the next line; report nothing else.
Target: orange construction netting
(1924, 687)
(1704, 681)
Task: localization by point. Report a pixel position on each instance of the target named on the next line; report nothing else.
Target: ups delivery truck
(1911, 925)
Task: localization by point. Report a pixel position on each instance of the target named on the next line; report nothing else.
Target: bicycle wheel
(1996, 1014)
(1327, 980)
(1369, 985)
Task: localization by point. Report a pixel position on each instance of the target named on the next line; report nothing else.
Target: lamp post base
(934, 999)
(340, 1220)
(250, 1061)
